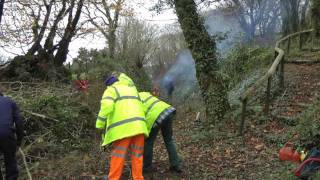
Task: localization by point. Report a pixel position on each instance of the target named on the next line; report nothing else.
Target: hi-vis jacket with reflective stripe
(121, 112)
(153, 108)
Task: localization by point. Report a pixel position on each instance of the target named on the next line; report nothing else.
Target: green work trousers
(166, 130)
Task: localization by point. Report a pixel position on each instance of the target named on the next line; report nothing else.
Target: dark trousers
(166, 130)
(8, 147)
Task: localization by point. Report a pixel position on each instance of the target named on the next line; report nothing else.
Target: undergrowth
(308, 127)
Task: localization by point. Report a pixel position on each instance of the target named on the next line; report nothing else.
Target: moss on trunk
(203, 50)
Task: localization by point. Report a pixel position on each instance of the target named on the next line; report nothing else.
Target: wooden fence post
(243, 116)
(300, 41)
(288, 45)
(267, 100)
(281, 73)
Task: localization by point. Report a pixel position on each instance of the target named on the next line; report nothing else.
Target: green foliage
(95, 65)
(315, 13)
(67, 119)
(243, 60)
(308, 126)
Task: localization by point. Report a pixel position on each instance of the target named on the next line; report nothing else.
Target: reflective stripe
(125, 121)
(121, 148)
(118, 155)
(108, 97)
(147, 99)
(116, 90)
(151, 106)
(128, 97)
(140, 148)
(138, 155)
(101, 118)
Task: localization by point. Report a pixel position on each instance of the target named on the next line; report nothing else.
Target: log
(41, 116)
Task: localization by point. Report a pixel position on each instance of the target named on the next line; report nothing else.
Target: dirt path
(302, 84)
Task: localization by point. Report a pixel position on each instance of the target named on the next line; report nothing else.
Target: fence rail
(277, 65)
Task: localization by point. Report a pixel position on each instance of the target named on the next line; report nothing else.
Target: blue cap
(110, 80)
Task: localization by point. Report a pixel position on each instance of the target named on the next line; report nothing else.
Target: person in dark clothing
(159, 117)
(11, 134)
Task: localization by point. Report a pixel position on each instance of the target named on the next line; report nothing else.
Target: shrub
(242, 61)
(308, 127)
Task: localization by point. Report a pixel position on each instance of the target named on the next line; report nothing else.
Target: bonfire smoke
(181, 76)
(223, 25)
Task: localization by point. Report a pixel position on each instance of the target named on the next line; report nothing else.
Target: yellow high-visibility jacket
(121, 113)
(153, 107)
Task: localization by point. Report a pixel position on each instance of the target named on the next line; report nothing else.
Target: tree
(104, 15)
(315, 12)
(136, 42)
(290, 16)
(303, 14)
(254, 16)
(69, 33)
(168, 45)
(213, 87)
(45, 28)
(1, 9)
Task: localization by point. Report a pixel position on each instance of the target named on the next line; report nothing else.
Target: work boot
(147, 169)
(148, 173)
(176, 169)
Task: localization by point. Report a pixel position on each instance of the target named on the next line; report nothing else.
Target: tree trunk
(53, 31)
(290, 16)
(294, 16)
(315, 11)
(112, 42)
(36, 45)
(303, 15)
(70, 31)
(203, 50)
(1, 9)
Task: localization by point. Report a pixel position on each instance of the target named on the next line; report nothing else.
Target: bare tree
(104, 15)
(254, 16)
(136, 45)
(69, 33)
(290, 16)
(43, 21)
(45, 28)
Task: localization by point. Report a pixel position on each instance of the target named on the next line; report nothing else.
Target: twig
(25, 163)
(26, 149)
(41, 116)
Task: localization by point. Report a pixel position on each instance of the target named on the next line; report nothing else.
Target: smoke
(181, 77)
(224, 27)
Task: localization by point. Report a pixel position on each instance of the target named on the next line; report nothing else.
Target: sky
(142, 12)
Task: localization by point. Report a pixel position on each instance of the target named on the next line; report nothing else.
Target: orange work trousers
(132, 146)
